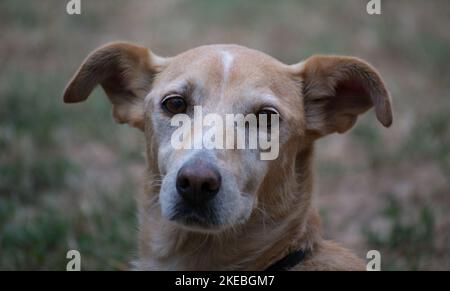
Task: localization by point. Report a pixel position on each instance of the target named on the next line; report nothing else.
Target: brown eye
(174, 104)
(267, 112)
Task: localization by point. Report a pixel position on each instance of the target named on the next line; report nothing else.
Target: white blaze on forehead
(227, 63)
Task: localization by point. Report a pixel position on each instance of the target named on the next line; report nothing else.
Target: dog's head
(211, 188)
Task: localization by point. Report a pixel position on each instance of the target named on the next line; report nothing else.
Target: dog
(208, 209)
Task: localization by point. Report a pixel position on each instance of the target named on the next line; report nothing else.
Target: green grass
(15, 12)
(35, 242)
(407, 241)
(40, 241)
(56, 195)
(430, 139)
(368, 136)
(39, 220)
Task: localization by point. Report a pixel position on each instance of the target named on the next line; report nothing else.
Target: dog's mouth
(196, 218)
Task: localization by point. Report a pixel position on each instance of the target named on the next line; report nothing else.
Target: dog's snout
(198, 182)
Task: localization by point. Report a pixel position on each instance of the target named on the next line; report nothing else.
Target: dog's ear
(125, 71)
(337, 89)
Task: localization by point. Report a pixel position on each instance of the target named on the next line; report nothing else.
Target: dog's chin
(193, 221)
(199, 226)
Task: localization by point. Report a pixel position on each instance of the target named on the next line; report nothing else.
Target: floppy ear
(337, 89)
(125, 71)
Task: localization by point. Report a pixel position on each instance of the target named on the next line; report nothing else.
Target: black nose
(198, 182)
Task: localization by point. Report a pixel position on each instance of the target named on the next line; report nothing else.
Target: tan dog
(227, 209)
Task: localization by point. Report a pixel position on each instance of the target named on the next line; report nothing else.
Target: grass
(66, 172)
(39, 222)
(40, 241)
(430, 139)
(407, 240)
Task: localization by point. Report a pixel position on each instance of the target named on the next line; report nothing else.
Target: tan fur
(319, 96)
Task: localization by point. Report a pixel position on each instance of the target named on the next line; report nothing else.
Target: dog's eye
(267, 113)
(174, 104)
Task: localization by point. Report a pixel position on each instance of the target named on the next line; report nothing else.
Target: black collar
(288, 262)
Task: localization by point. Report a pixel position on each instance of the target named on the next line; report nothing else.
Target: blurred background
(69, 174)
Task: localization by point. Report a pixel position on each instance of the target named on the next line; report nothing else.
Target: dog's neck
(270, 234)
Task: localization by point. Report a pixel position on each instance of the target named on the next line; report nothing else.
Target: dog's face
(210, 189)
(215, 188)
